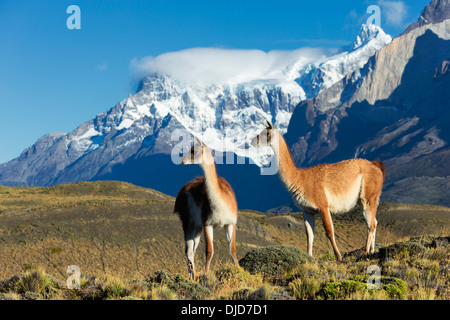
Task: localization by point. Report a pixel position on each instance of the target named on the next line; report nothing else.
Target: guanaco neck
(287, 170)
(211, 178)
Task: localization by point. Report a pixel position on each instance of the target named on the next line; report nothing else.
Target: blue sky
(54, 79)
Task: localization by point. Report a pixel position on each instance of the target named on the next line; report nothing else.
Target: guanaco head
(199, 154)
(265, 137)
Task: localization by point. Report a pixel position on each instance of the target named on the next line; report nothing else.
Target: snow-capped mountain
(225, 114)
(319, 76)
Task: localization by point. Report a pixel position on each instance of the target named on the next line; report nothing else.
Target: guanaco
(205, 203)
(328, 188)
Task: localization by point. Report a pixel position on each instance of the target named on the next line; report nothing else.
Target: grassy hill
(119, 230)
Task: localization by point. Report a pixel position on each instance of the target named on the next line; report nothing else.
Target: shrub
(432, 241)
(236, 276)
(402, 250)
(393, 287)
(162, 292)
(9, 296)
(341, 289)
(234, 282)
(34, 282)
(130, 298)
(179, 284)
(425, 239)
(305, 288)
(248, 294)
(92, 288)
(273, 260)
(116, 289)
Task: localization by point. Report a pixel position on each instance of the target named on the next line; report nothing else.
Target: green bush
(393, 287)
(273, 260)
(341, 289)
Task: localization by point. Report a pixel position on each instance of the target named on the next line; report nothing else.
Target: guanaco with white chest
(328, 188)
(205, 203)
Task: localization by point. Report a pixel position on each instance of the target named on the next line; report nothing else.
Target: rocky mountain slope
(436, 11)
(395, 108)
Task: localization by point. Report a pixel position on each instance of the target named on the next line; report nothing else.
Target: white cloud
(215, 66)
(393, 11)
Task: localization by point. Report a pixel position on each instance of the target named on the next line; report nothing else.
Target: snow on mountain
(319, 76)
(221, 96)
(224, 96)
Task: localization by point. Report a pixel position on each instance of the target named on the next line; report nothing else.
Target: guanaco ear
(269, 125)
(197, 141)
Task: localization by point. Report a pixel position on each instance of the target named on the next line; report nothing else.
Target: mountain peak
(317, 77)
(366, 34)
(436, 11)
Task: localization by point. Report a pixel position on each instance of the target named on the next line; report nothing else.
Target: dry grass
(118, 234)
(424, 277)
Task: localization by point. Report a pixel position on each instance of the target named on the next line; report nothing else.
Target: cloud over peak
(218, 66)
